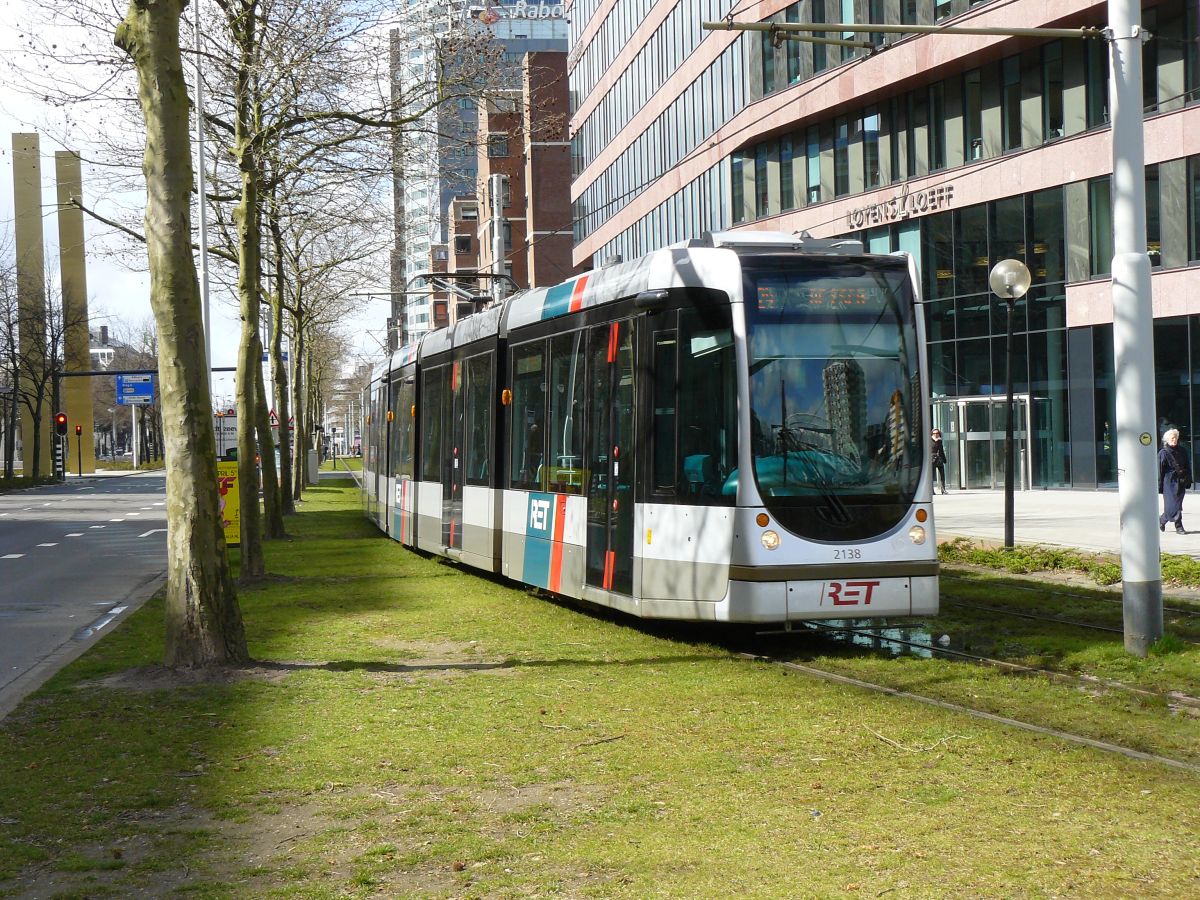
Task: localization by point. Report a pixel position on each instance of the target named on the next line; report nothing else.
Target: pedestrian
(938, 458)
(1174, 478)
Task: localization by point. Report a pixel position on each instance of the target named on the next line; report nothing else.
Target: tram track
(1070, 737)
(1081, 681)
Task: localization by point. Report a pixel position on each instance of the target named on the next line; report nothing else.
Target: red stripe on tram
(613, 331)
(610, 559)
(577, 295)
(556, 548)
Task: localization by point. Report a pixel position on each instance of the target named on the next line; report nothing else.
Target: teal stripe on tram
(558, 300)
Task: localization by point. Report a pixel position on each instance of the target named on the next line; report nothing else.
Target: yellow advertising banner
(230, 502)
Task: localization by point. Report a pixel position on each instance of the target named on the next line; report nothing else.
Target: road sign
(135, 390)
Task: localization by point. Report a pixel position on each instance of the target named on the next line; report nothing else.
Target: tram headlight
(916, 534)
(770, 539)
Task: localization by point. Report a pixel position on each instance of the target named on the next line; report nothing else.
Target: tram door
(610, 492)
(452, 458)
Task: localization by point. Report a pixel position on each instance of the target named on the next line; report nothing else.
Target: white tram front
(731, 430)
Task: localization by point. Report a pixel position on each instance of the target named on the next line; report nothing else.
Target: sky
(116, 289)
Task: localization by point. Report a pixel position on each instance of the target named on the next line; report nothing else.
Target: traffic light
(60, 424)
(78, 430)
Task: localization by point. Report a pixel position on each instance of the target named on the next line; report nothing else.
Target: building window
(1100, 226)
(767, 48)
(1153, 219)
(793, 47)
(1150, 62)
(870, 143)
(1194, 208)
(497, 145)
(937, 126)
(908, 12)
(972, 116)
(820, 58)
(841, 156)
(787, 198)
(1097, 83)
(469, 213)
(876, 15)
(1052, 91)
(462, 243)
(812, 155)
(762, 195)
(1010, 103)
(942, 9)
(737, 192)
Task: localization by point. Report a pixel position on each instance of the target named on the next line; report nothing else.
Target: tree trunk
(272, 508)
(279, 375)
(203, 619)
(302, 424)
(249, 357)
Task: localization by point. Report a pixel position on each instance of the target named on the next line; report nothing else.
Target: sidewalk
(1086, 520)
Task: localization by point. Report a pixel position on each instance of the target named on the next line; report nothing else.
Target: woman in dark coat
(1174, 478)
(937, 455)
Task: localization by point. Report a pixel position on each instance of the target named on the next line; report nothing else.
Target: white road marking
(133, 514)
(153, 531)
(49, 545)
(97, 526)
(116, 520)
(75, 534)
(12, 556)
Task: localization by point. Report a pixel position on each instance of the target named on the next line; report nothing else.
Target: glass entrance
(973, 434)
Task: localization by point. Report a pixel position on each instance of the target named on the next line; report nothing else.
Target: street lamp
(1009, 281)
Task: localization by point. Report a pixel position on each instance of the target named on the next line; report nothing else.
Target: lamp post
(1009, 281)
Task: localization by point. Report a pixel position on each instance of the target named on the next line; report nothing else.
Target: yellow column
(77, 392)
(31, 298)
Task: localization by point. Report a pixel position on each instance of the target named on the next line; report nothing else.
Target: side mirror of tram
(651, 301)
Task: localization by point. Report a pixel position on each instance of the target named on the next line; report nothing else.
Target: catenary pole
(1133, 336)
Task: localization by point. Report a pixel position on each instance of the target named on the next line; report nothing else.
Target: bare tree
(204, 621)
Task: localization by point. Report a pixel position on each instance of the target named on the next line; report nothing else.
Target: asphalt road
(74, 558)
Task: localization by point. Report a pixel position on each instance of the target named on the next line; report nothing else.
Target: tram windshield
(834, 393)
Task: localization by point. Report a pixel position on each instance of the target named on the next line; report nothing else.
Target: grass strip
(411, 730)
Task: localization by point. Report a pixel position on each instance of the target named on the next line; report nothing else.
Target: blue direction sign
(135, 390)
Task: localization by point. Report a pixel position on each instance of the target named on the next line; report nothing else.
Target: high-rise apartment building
(960, 149)
(440, 157)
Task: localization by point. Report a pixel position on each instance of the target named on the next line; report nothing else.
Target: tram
(728, 430)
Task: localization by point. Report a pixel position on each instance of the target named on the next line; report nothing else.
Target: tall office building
(440, 154)
(960, 149)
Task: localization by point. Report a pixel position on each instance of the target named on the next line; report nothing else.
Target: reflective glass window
(568, 395)
(527, 411)
(1052, 91)
(1010, 103)
(1100, 226)
(477, 372)
(433, 393)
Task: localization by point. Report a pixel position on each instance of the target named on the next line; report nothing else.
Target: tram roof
(708, 262)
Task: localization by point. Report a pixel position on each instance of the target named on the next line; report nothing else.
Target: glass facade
(990, 106)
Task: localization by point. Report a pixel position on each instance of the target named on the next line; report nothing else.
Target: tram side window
(707, 407)
(433, 389)
(666, 468)
(528, 409)
(478, 371)
(568, 394)
(405, 427)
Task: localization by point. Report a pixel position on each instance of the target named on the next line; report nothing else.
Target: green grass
(342, 463)
(415, 731)
(1101, 568)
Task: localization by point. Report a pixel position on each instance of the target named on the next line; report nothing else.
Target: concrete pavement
(1086, 520)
